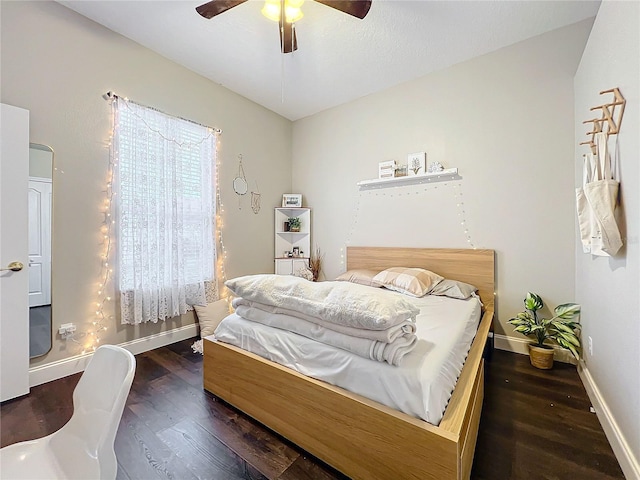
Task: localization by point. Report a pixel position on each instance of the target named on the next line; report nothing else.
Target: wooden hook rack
(608, 117)
(597, 128)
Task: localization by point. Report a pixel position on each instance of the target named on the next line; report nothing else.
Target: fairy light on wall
(90, 339)
(355, 215)
(97, 322)
(221, 258)
(106, 270)
(404, 191)
(458, 197)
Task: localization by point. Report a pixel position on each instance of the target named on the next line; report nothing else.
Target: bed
(358, 436)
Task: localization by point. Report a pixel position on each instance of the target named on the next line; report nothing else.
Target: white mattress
(421, 386)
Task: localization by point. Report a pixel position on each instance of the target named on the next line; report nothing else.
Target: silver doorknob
(13, 266)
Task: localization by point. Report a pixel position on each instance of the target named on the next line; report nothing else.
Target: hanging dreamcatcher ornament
(255, 200)
(240, 182)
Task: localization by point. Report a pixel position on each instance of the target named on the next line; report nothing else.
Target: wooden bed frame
(359, 437)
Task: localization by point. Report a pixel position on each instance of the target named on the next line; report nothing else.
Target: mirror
(240, 185)
(40, 233)
(240, 181)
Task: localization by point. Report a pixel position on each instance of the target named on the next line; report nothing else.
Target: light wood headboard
(476, 267)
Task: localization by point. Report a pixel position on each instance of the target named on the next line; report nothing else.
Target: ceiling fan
(286, 13)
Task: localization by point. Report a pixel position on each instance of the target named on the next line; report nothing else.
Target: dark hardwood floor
(535, 425)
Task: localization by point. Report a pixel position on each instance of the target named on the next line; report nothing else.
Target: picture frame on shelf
(292, 200)
(417, 163)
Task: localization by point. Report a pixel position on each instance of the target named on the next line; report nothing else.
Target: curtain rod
(111, 95)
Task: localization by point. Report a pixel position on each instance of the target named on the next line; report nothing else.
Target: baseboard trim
(68, 366)
(628, 462)
(521, 346)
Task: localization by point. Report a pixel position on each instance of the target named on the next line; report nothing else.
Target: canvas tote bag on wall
(601, 193)
(585, 220)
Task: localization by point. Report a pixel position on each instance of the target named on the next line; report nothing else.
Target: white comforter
(391, 352)
(407, 327)
(340, 303)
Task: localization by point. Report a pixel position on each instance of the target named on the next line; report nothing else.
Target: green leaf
(563, 327)
(568, 343)
(533, 302)
(574, 351)
(522, 318)
(571, 338)
(567, 311)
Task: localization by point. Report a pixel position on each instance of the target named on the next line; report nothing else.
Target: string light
(186, 145)
(106, 271)
(219, 212)
(91, 339)
(399, 191)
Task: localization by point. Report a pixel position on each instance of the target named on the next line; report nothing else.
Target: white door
(14, 301)
(39, 241)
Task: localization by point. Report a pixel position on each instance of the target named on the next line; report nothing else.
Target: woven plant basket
(541, 357)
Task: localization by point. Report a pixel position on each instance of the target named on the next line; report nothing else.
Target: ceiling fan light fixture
(292, 11)
(271, 10)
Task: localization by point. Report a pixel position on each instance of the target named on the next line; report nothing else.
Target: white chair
(83, 448)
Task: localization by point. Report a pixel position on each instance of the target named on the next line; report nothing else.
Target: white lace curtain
(164, 181)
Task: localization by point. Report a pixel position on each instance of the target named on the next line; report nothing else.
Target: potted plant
(294, 224)
(561, 328)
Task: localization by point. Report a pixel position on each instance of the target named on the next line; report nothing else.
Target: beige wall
(57, 64)
(505, 120)
(608, 288)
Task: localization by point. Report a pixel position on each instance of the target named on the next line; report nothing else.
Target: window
(165, 209)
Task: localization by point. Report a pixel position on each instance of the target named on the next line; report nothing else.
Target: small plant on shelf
(294, 224)
(562, 328)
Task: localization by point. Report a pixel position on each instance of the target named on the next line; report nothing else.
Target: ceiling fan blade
(288, 40)
(357, 8)
(216, 7)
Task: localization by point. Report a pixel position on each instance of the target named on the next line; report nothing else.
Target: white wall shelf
(444, 175)
(287, 241)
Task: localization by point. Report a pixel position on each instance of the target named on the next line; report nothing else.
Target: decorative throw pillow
(416, 282)
(304, 272)
(210, 315)
(360, 276)
(453, 289)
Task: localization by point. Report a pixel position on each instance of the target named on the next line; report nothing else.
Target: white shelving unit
(446, 174)
(286, 241)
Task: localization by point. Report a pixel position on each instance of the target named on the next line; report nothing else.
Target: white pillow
(210, 315)
(416, 282)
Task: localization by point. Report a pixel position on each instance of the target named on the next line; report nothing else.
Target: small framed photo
(417, 163)
(296, 251)
(292, 200)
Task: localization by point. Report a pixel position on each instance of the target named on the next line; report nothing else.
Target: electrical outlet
(66, 330)
(590, 347)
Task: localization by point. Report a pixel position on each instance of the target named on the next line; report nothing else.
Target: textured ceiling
(339, 58)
